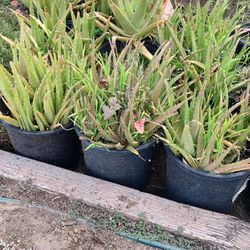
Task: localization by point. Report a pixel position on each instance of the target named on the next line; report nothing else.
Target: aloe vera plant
(53, 9)
(123, 99)
(207, 133)
(82, 38)
(38, 35)
(136, 19)
(49, 12)
(41, 34)
(205, 38)
(37, 107)
(31, 64)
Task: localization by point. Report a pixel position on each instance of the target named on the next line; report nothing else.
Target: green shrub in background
(9, 28)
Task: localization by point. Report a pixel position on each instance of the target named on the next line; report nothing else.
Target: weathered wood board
(225, 231)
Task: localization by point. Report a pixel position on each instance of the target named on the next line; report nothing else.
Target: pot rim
(151, 142)
(58, 130)
(203, 173)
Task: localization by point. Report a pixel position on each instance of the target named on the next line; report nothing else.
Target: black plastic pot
(205, 190)
(247, 150)
(3, 108)
(60, 147)
(247, 193)
(242, 42)
(122, 167)
(151, 45)
(69, 25)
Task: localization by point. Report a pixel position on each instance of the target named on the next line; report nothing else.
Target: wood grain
(224, 231)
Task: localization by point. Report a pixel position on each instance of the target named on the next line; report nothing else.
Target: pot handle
(242, 188)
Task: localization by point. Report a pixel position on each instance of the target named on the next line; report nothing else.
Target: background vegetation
(9, 28)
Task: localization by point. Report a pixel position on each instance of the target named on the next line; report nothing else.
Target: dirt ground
(41, 229)
(50, 215)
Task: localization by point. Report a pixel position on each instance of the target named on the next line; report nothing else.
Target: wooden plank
(225, 231)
